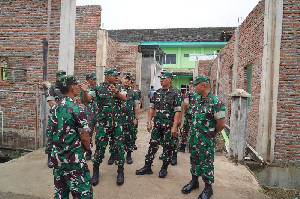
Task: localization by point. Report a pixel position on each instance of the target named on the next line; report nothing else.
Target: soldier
(186, 128)
(130, 110)
(53, 95)
(208, 121)
(91, 108)
(139, 94)
(108, 99)
(70, 132)
(166, 103)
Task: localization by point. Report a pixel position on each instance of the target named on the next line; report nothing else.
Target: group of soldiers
(114, 108)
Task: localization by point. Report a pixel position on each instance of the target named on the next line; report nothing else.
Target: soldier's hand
(135, 122)
(149, 127)
(113, 88)
(173, 131)
(84, 86)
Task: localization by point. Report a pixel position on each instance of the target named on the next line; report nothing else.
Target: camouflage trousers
(186, 129)
(91, 123)
(135, 131)
(49, 144)
(113, 134)
(161, 134)
(128, 131)
(75, 181)
(202, 156)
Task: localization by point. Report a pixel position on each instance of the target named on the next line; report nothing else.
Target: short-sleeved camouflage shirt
(206, 111)
(53, 93)
(166, 102)
(68, 121)
(104, 97)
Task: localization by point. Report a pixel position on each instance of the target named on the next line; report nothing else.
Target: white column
(67, 36)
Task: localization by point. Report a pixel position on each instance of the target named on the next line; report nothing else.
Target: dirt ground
(29, 177)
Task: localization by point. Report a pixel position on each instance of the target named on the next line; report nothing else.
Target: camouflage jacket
(166, 102)
(91, 106)
(104, 97)
(132, 99)
(191, 97)
(53, 93)
(206, 111)
(68, 121)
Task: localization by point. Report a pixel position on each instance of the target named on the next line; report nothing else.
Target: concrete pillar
(238, 124)
(196, 70)
(269, 79)
(67, 36)
(235, 58)
(138, 61)
(101, 54)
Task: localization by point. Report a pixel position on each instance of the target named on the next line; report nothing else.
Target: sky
(141, 14)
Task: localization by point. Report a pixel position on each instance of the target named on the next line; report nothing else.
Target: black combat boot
(207, 192)
(111, 159)
(120, 177)
(193, 184)
(161, 156)
(174, 159)
(95, 178)
(164, 170)
(49, 163)
(182, 148)
(145, 170)
(128, 158)
(88, 155)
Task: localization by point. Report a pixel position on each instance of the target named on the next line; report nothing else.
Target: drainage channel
(272, 176)
(7, 153)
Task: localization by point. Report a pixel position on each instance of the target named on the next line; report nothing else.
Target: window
(3, 68)
(11, 74)
(186, 55)
(249, 82)
(169, 59)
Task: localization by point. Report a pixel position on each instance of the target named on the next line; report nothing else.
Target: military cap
(200, 79)
(60, 73)
(67, 80)
(112, 72)
(165, 74)
(126, 75)
(90, 76)
(132, 79)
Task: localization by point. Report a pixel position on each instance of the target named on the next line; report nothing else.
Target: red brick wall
(23, 27)
(287, 147)
(122, 56)
(251, 38)
(88, 20)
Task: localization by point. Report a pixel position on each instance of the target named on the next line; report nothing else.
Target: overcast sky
(141, 14)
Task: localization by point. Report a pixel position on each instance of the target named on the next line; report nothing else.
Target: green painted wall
(178, 81)
(183, 62)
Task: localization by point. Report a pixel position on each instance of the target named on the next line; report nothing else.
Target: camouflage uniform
(110, 125)
(52, 93)
(128, 117)
(187, 125)
(138, 93)
(206, 111)
(71, 172)
(166, 103)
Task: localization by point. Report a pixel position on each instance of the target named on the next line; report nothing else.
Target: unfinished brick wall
(122, 56)
(88, 20)
(23, 27)
(250, 53)
(287, 147)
